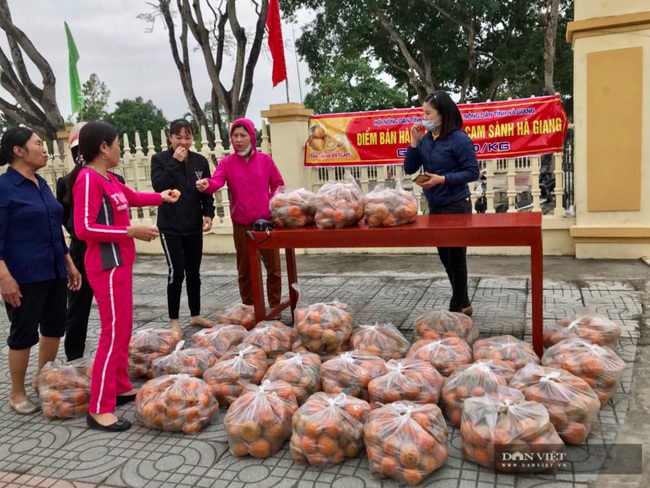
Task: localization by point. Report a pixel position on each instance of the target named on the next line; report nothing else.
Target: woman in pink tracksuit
(252, 179)
(101, 218)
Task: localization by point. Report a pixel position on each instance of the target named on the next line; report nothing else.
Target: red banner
(507, 129)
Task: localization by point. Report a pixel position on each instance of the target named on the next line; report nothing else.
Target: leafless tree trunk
(31, 105)
(550, 20)
(213, 42)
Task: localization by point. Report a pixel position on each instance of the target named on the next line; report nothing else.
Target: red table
(494, 230)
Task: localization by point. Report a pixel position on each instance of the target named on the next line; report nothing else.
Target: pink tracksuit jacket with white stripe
(101, 216)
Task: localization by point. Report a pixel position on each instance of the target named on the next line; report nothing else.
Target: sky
(113, 43)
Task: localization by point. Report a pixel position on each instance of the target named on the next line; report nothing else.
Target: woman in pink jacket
(101, 218)
(252, 179)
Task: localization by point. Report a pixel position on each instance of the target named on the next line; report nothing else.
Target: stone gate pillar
(611, 42)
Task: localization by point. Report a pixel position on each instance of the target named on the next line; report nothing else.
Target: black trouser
(183, 255)
(79, 303)
(454, 259)
(42, 305)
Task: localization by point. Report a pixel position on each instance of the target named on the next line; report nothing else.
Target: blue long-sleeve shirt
(453, 157)
(31, 238)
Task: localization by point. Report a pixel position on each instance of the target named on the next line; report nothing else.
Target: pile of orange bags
(351, 372)
(149, 344)
(338, 204)
(405, 441)
(301, 370)
(64, 389)
(175, 403)
(599, 366)
(327, 429)
(387, 207)
(238, 314)
(324, 328)
(292, 209)
(407, 379)
(383, 340)
(259, 421)
(514, 352)
(592, 327)
(491, 425)
(243, 362)
(191, 361)
(483, 377)
(273, 337)
(444, 354)
(219, 339)
(440, 324)
(571, 403)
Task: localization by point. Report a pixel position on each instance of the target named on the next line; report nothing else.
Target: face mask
(246, 151)
(430, 125)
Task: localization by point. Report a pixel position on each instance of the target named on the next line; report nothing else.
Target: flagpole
(287, 86)
(295, 53)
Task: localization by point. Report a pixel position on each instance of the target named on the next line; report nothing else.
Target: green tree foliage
(136, 115)
(351, 85)
(481, 49)
(95, 93)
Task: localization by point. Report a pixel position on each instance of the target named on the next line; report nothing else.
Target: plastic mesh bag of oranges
(323, 328)
(293, 209)
(483, 377)
(387, 207)
(339, 204)
(599, 366)
(592, 327)
(190, 361)
(219, 339)
(439, 324)
(571, 403)
(259, 421)
(405, 441)
(351, 372)
(64, 389)
(491, 425)
(327, 429)
(514, 352)
(238, 314)
(273, 337)
(301, 370)
(407, 379)
(383, 340)
(444, 354)
(175, 403)
(149, 344)
(244, 362)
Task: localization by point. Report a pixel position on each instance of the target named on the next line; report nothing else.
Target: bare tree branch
(36, 105)
(415, 74)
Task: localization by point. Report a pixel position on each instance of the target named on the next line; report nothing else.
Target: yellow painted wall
(610, 100)
(586, 9)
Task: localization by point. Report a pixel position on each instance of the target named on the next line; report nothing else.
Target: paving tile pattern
(37, 452)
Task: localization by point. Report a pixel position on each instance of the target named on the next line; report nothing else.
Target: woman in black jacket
(182, 225)
(446, 153)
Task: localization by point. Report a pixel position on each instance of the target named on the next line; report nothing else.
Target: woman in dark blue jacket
(34, 262)
(447, 155)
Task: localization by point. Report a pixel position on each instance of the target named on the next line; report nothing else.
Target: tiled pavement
(37, 452)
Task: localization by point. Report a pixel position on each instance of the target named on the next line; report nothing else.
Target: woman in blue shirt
(34, 261)
(447, 155)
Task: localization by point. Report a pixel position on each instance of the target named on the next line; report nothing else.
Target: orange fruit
(260, 449)
(409, 455)
(250, 431)
(327, 445)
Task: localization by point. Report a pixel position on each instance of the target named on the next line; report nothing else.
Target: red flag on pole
(276, 46)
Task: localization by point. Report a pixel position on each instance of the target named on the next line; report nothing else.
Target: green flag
(76, 96)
